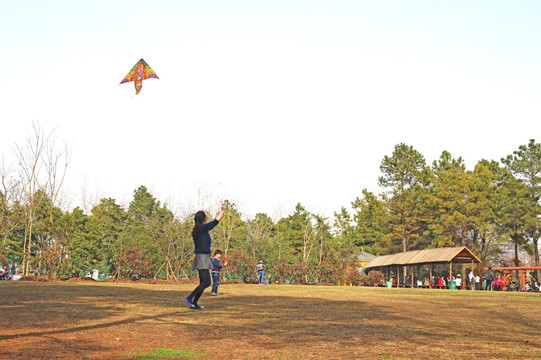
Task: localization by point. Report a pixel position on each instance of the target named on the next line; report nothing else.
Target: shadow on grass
(270, 320)
(86, 327)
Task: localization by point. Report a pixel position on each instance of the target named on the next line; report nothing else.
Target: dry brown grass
(81, 320)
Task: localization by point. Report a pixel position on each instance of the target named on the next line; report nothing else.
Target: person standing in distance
(202, 261)
(260, 268)
(489, 278)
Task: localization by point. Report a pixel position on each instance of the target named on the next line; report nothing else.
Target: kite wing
(139, 72)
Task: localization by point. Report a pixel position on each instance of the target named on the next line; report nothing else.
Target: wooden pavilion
(428, 257)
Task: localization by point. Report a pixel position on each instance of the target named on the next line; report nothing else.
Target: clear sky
(267, 103)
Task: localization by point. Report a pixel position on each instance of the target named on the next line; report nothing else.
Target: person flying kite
(139, 72)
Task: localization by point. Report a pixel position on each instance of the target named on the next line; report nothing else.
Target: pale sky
(266, 103)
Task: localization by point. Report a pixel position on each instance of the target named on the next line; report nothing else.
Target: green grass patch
(163, 353)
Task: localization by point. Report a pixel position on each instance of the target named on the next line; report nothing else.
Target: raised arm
(221, 214)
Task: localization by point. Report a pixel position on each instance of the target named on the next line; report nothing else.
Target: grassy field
(88, 320)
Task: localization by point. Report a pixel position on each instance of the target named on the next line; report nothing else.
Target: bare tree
(42, 170)
(174, 243)
(231, 226)
(308, 240)
(322, 227)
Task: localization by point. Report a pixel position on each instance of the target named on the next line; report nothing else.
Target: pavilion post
(412, 275)
(431, 275)
(450, 272)
(398, 276)
(472, 286)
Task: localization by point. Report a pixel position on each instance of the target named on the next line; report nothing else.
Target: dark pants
(204, 282)
(215, 281)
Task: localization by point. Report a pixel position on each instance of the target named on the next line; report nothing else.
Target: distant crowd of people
(489, 282)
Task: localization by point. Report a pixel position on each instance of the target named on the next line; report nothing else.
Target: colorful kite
(139, 72)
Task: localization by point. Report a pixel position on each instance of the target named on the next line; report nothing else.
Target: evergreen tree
(82, 242)
(450, 202)
(525, 164)
(259, 230)
(372, 219)
(141, 210)
(110, 220)
(404, 176)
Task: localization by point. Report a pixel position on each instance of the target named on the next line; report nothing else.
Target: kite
(139, 72)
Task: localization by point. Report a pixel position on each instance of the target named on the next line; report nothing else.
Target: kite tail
(138, 85)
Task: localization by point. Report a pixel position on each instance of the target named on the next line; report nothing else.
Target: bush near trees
(374, 278)
(131, 263)
(494, 209)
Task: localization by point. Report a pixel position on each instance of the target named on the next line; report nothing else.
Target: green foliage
(405, 176)
(525, 164)
(296, 228)
(110, 221)
(81, 240)
(164, 353)
(259, 233)
(372, 219)
(486, 208)
(232, 231)
(450, 202)
(145, 218)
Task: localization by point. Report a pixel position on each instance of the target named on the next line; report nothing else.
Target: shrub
(242, 266)
(327, 272)
(353, 276)
(278, 270)
(374, 278)
(297, 273)
(50, 262)
(132, 264)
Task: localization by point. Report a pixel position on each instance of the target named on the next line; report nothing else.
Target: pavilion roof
(460, 254)
(364, 256)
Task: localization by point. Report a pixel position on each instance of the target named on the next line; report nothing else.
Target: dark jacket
(216, 266)
(202, 239)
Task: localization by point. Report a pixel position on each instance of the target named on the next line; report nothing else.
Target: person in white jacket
(458, 281)
(471, 278)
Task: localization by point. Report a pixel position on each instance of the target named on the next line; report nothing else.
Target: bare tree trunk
(307, 243)
(38, 152)
(56, 165)
(463, 234)
(320, 248)
(536, 254)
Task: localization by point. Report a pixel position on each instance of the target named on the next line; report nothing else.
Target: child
(215, 272)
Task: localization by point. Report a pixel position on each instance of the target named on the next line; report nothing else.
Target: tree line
(494, 209)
